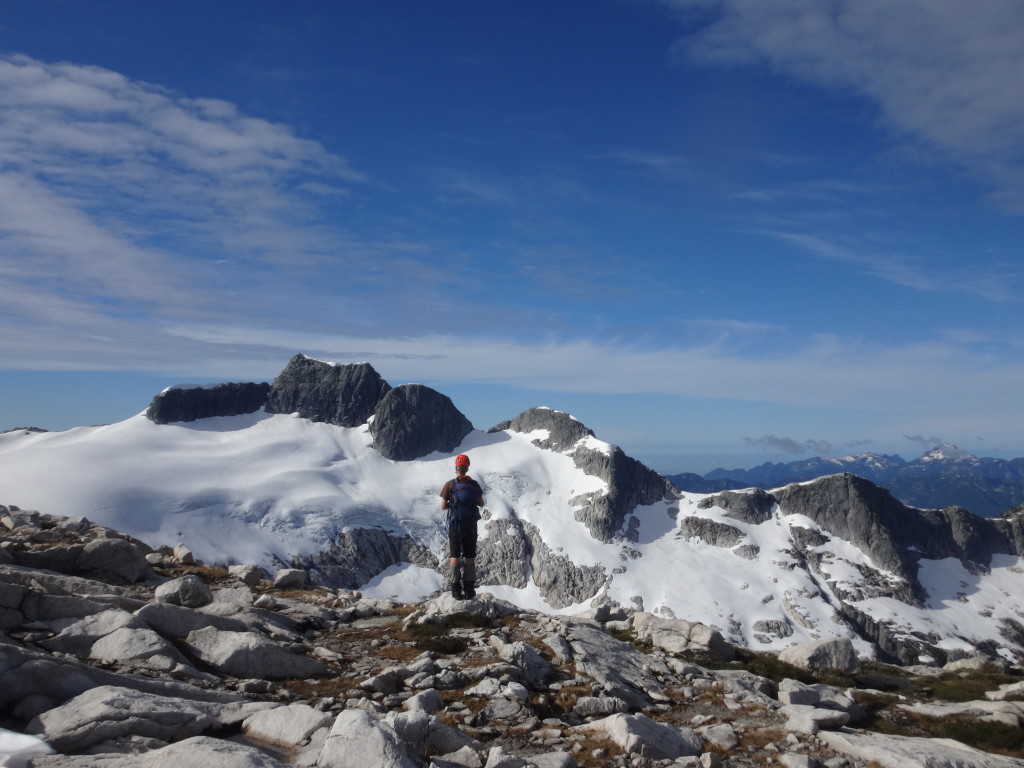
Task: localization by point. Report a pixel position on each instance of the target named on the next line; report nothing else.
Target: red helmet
(462, 460)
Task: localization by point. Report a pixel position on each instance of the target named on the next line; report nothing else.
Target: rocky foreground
(112, 655)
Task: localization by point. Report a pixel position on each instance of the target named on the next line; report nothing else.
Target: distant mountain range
(945, 476)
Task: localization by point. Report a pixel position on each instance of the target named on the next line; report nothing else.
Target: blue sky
(718, 233)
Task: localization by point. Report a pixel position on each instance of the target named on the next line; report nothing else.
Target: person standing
(462, 497)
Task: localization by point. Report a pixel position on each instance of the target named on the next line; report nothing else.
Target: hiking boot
(468, 590)
(457, 591)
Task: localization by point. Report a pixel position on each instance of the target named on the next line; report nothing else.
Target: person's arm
(445, 493)
(480, 499)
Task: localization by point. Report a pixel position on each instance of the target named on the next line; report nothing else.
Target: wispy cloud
(993, 281)
(789, 444)
(939, 75)
(101, 173)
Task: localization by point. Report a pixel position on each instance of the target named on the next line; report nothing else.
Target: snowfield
(263, 488)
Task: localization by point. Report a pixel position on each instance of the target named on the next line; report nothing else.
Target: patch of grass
(963, 686)
(585, 758)
(981, 734)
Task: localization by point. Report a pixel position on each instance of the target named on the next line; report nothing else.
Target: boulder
(110, 712)
(835, 653)
(638, 734)
(114, 558)
(246, 654)
(678, 636)
(189, 592)
(289, 726)
(290, 578)
(358, 739)
(139, 645)
(250, 575)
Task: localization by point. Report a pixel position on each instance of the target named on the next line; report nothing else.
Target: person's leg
(469, 551)
(455, 549)
(469, 578)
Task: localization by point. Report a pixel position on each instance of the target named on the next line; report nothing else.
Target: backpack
(462, 501)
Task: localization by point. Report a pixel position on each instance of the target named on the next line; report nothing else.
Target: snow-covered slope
(268, 488)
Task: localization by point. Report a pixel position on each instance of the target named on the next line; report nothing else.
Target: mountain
(337, 472)
(945, 476)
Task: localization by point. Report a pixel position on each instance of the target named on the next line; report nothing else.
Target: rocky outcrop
(896, 536)
(357, 555)
(563, 431)
(188, 403)
(412, 421)
(630, 483)
(754, 507)
(345, 395)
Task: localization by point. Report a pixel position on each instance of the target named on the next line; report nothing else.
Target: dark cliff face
(345, 395)
(189, 404)
(412, 421)
(892, 534)
(563, 430)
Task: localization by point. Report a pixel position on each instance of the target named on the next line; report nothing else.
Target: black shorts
(462, 538)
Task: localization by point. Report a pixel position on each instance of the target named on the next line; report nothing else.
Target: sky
(718, 233)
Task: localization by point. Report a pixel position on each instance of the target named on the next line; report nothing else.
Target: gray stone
(818, 655)
(533, 667)
(429, 701)
(290, 578)
(141, 645)
(110, 712)
(795, 692)
(189, 591)
(246, 654)
(250, 575)
(114, 558)
(638, 734)
(599, 706)
(184, 555)
(78, 638)
(497, 757)
(617, 668)
(554, 760)
(175, 621)
(677, 636)
(289, 726)
(358, 740)
(809, 720)
(911, 752)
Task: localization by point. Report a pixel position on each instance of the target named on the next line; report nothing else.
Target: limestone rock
(358, 740)
(638, 734)
(289, 726)
(183, 404)
(818, 655)
(677, 636)
(412, 421)
(345, 395)
(189, 592)
(246, 654)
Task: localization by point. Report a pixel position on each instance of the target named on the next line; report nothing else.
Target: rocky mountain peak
(345, 395)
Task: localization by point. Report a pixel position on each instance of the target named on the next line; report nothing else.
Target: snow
(16, 749)
(263, 488)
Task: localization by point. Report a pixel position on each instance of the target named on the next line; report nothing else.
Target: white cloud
(100, 171)
(941, 72)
